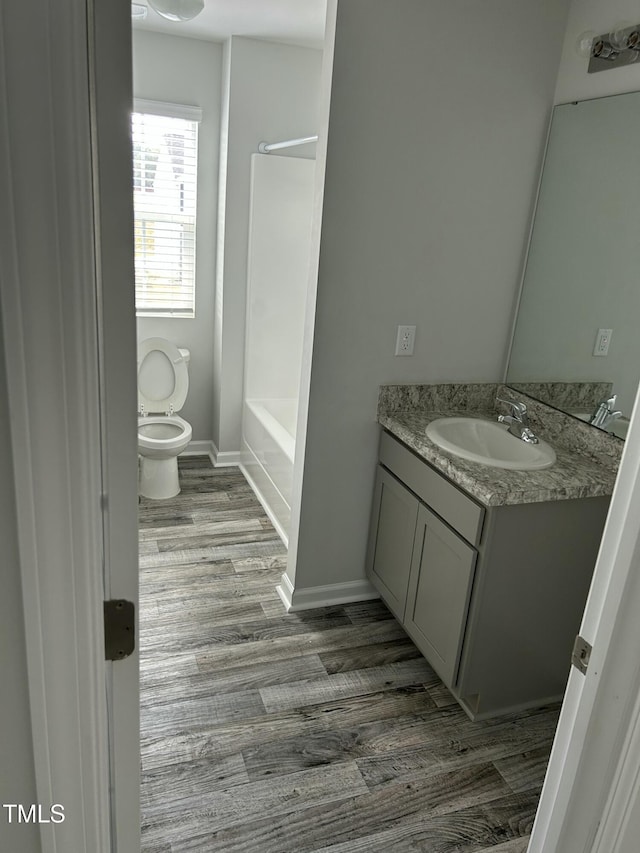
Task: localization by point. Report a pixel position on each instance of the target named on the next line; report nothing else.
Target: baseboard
(225, 458)
(324, 596)
(285, 591)
(200, 448)
(219, 459)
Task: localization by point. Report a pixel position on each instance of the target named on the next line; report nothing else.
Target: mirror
(582, 272)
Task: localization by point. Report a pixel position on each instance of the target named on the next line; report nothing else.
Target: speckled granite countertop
(587, 459)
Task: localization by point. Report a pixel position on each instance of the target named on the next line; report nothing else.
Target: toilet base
(158, 478)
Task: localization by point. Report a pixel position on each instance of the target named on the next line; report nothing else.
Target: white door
(68, 329)
(590, 799)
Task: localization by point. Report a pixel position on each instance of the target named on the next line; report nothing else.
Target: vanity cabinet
(492, 596)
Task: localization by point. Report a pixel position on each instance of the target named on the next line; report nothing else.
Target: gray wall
(17, 778)
(272, 93)
(188, 71)
(435, 145)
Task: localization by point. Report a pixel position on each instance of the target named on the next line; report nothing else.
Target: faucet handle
(519, 409)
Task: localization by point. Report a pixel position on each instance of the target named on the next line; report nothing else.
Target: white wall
(17, 776)
(189, 71)
(433, 158)
(598, 16)
(272, 94)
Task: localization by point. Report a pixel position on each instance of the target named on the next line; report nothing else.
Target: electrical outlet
(603, 340)
(405, 340)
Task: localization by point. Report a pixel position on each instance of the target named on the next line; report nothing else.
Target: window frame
(142, 106)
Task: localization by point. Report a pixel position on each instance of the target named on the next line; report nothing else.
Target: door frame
(59, 333)
(50, 338)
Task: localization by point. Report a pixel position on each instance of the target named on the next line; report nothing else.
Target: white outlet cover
(405, 340)
(603, 340)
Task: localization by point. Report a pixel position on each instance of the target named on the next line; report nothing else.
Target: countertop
(582, 473)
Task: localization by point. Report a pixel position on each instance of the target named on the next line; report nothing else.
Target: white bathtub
(268, 451)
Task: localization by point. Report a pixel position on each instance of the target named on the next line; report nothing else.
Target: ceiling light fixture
(177, 10)
(138, 11)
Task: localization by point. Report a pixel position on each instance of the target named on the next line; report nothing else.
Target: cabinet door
(393, 526)
(438, 594)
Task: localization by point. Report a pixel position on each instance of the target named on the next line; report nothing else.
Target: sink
(489, 443)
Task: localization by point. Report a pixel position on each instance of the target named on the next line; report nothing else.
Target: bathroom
(445, 254)
(450, 249)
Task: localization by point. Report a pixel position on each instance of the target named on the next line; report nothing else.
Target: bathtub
(268, 451)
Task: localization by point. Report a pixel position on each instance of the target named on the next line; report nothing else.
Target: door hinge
(581, 654)
(119, 629)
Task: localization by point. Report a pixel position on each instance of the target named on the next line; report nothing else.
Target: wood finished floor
(318, 732)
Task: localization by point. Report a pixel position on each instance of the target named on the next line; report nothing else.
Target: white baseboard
(219, 459)
(324, 596)
(285, 591)
(225, 458)
(200, 448)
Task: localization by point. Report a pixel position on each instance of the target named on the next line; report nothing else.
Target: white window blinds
(165, 157)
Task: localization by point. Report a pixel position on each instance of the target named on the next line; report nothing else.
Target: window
(165, 156)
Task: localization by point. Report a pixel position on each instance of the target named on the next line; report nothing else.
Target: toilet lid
(163, 378)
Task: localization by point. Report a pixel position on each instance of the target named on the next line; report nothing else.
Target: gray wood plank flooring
(323, 731)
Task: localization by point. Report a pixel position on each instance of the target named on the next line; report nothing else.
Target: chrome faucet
(604, 413)
(518, 421)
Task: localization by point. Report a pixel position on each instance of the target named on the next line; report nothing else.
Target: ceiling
(300, 22)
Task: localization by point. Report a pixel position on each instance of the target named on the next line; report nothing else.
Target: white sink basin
(489, 443)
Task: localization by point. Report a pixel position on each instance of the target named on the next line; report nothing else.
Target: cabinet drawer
(459, 510)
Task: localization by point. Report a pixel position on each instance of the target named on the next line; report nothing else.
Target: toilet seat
(161, 434)
(161, 431)
(171, 364)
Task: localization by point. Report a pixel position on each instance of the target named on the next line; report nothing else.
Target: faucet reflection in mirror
(605, 414)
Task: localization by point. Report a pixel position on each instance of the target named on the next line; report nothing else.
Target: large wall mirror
(583, 267)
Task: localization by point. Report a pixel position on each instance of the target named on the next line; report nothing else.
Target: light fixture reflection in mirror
(177, 10)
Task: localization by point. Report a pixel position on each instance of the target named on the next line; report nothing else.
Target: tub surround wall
(189, 71)
(271, 92)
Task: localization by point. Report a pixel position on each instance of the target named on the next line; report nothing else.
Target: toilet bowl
(163, 383)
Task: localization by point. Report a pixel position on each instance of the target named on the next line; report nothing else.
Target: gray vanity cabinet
(492, 596)
(440, 582)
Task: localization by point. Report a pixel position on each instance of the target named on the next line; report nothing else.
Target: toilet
(163, 383)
